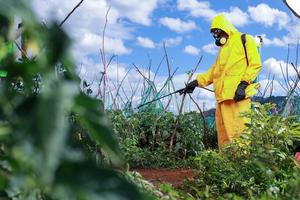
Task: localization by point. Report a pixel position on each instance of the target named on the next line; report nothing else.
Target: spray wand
(177, 91)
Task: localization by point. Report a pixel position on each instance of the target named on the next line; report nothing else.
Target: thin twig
(73, 10)
(118, 94)
(297, 50)
(272, 87)
(158, 68)
(267, 86)
(135, 90)
(119, 86)
(181, 108)
(285, 78)
(145, 79)
(149, 67)
(205, 133)
(103, 58)
(169, 72)
(287, 65)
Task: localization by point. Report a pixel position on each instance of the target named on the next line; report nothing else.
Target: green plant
(144, 138)
(41, 156)
(260, 162)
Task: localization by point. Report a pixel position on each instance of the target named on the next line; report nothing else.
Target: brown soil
(174, 176)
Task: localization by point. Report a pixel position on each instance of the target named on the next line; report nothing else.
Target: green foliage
(167, 188)
(144, 138)
(175, 194)
(260, 162)
(41, 156)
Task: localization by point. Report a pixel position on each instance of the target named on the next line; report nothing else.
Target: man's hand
(240, 93)
(190, 87)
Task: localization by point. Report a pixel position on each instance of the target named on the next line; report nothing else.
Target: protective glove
(190, 87)
(240, 93)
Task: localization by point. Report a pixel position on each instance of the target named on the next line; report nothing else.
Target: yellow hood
(221, 22)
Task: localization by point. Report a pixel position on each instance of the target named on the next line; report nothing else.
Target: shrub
(144, 138)
(260, 162)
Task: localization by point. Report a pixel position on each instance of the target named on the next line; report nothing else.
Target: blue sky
(137, 28)
(200, 36)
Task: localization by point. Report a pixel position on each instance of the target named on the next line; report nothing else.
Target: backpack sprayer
(177, 91)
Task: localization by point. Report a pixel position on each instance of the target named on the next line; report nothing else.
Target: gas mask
(220, 36)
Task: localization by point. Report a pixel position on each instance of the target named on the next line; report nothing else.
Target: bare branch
(158, 68)
(103, 58)
(149, 67)
(297, 50)
(287, 65)
(205, 133)
(167, 59)
(135, 90)
(110, 60)
(168, 79)
(181, 107)
(139, 71)
(272, 87)
(288, 86)
(72, 11)
(119, 86)
(267, 86)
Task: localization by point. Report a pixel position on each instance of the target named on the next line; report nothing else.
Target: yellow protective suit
(229, 69)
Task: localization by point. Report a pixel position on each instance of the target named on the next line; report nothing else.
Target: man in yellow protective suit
(232, 75)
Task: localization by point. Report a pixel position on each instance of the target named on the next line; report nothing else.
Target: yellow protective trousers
(228, 120)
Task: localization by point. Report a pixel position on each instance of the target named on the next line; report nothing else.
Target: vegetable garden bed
(175, 177)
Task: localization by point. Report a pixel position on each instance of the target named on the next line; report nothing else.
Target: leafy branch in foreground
(40, 155)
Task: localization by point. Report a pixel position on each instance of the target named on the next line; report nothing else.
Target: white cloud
(291, 37)
(273, 66)
(277, 42)
(86, 23)
(237, 17)
(202, 9)
(270, 42)
(90, 44)
(136, 10)
(210, 48)
(177, 25)
(192, 50)
(293, 33)
(205, 99)
(89, 17)
(172, 42)
(145, 42)
(197, 8)
(268, 16)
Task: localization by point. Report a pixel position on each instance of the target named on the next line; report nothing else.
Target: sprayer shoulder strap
(243, 37)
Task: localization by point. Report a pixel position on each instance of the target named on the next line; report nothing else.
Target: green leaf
(92, 118)
(47, 127)
(87, 182)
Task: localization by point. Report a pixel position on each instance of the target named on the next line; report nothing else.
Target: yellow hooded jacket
(230, 67)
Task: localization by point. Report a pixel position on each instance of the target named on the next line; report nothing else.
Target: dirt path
(174, 176)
